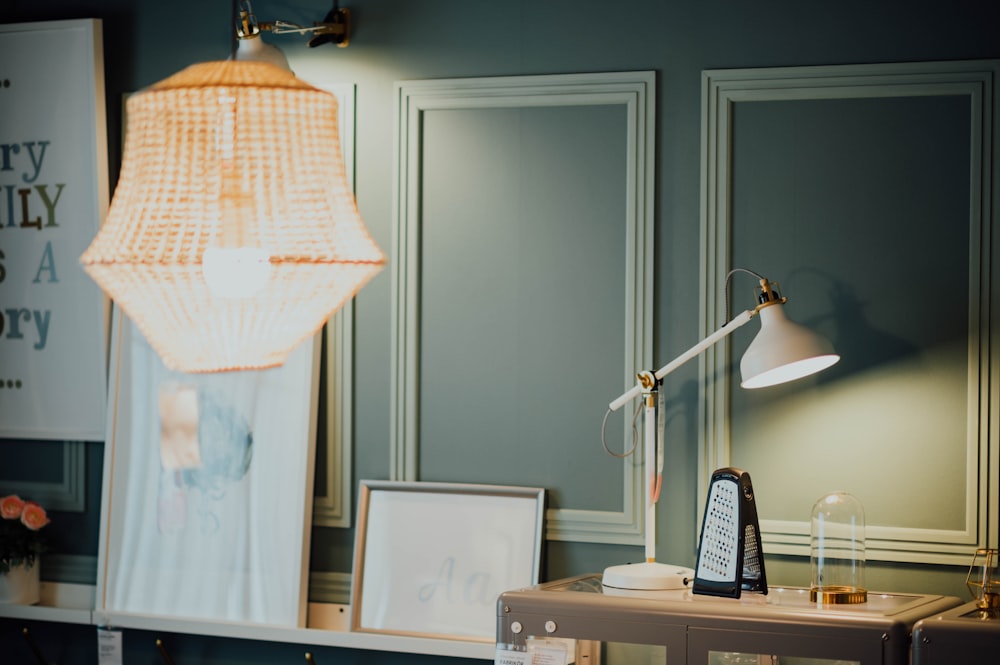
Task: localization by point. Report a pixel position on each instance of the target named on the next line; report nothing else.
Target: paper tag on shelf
(109, 646)
(508, 657)
(548, 652)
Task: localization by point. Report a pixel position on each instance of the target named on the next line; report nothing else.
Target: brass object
(646, 379)
(838, 595)
(335, 28)
(33, 646)
(768, 296)
(983, 580)
(163, 652)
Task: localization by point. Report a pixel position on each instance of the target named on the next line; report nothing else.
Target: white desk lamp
(782, 351)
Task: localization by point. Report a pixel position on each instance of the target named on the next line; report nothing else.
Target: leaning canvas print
(207, 500)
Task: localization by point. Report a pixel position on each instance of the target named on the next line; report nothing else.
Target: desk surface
(581, 608)
(585, 594)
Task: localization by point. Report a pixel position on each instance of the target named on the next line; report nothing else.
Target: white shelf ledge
(63, 603)
(328, 625)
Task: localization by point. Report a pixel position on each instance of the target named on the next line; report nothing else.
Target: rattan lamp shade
(230, 155)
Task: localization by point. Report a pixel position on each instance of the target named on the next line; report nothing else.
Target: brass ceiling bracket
(335, 28)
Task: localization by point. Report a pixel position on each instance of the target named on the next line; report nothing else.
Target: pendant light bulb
(236, 272)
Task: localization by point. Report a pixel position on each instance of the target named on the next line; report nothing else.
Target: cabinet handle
(163, 652)
(33, 646)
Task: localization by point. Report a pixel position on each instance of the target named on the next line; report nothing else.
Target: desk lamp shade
(231, 169)
(783, 351)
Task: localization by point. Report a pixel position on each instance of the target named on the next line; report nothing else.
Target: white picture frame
(64, 490)
(54, 195)
(908, 427)
(632, 95)
(225, 537)
(432, 558)
(332, 502)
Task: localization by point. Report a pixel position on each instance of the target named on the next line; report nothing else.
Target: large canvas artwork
(208, 488)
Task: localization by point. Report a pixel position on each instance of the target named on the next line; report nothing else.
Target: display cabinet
(598, 625)
(964, 634)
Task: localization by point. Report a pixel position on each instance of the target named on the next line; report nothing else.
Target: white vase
(20, 585)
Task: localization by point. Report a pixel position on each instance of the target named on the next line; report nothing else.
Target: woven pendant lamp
(233, 234)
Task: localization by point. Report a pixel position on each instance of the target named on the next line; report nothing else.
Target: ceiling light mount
(335, 28)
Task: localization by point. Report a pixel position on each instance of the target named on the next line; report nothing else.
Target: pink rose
(11, 507)
(33, 516)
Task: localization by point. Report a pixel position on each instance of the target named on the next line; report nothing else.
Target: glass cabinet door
(547, 651)
(710, 646)
(739, 658)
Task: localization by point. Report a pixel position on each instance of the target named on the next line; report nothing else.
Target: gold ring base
(838, 595)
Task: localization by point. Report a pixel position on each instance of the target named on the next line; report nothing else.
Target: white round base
(647, 576)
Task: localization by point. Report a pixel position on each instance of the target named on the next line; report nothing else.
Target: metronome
(730, 558)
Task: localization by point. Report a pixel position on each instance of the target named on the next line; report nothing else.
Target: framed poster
(208, 488)
(53, 196)
(432, 558)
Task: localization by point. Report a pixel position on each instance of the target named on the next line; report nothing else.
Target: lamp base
(647, 576)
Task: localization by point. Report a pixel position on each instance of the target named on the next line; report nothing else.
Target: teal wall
(394, 40)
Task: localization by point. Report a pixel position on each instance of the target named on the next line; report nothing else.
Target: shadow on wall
(861, 345)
